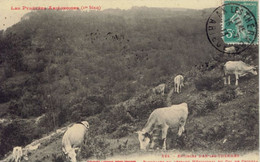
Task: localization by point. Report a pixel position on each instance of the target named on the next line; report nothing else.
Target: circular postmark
(232, 28)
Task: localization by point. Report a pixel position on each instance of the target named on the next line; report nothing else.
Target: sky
(9, 16)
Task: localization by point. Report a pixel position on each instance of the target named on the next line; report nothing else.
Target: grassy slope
(205, 132)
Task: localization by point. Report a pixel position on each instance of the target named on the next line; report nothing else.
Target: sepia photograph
(129, 81)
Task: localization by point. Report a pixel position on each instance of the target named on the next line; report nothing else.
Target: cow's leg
(152, 144)
(229, 80)
(174, 87)
(236, 79)
(78, 153)
(164, 135)
(181, 129)
(225, 80)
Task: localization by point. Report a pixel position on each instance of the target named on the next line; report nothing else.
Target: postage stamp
(239, 22)
(232, 27)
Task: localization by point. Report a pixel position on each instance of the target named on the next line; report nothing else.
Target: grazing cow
(239, 68)
(178, 83)
(73, 139)
(163, 118)
(17, 153)
(30, 148)
(231, 49)
(159, 89)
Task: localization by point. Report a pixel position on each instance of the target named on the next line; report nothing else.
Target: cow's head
(144, 139)
(253, 70)
(25, 154)
(85, 123)
(71, 155)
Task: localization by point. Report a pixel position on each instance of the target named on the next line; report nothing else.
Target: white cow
(163, 118)
(178, 83)
(17, 153)
(231, 49)
(159, 89)
(30, 148)
(239, 68)
(73, 139)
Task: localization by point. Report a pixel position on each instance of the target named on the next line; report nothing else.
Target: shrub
(210, 105)
(8, 71)
(75, 116)
(58, 158)
(13, 135)
(192, 107)
(27, 105)
(203, 107)
(95, 146)
(213, 133)
(122, 131)
(210, 83)
(119, 114)
(228, 94)
(146, 106)
(91, 106)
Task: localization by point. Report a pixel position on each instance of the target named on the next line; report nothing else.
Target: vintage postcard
(129, 80)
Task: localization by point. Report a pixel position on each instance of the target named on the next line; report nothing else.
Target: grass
(216, 122)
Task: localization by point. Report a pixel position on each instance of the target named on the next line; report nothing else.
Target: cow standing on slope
(73, 139)
(160, 89)
(178, 83)
(231, 49)
(163, 118)
(239, 68)
(17, 154)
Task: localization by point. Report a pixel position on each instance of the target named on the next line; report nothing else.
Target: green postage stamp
(239, 22)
